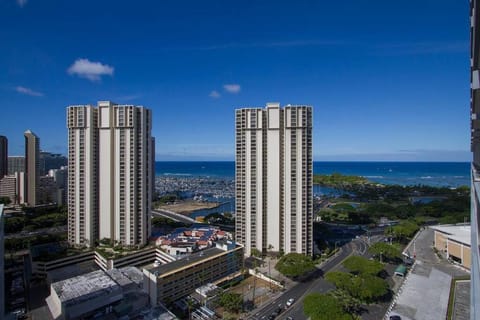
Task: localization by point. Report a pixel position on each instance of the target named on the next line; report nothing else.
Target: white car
(290, 302)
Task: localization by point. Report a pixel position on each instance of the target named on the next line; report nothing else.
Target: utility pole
(414, 250)
(269, 275)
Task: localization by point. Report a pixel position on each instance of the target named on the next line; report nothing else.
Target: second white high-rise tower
(274, 179)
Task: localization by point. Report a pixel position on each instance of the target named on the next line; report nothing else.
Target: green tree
(343, 207)
(385, 251)
(405, 230)
(14, 224)
(349, 303)
(337, 180)
(372, 288)
(319, 306)
(5, 200)
(231, 301)
(361, 265)
(340, 279)
(255, 253)
(365, 287)
(295, 264)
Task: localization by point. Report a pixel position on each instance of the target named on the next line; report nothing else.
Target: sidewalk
(268, 269)
(425, 291)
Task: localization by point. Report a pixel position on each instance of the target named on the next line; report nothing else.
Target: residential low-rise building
(8, 188)
(184, 241)
(172, 281)
(13, 187)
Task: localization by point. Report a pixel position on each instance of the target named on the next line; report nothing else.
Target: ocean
(445, 174)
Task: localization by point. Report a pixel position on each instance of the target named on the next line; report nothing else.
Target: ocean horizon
(438, 174)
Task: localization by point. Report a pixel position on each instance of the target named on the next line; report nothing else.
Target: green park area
(34, 219)
(358, 201)
(32, 227)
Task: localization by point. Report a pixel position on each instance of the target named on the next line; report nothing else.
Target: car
(290, 302)
(289, 318)
(395, 317)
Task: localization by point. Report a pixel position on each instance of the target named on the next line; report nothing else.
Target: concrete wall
(453, 248)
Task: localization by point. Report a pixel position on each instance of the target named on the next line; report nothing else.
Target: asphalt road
(316, 284)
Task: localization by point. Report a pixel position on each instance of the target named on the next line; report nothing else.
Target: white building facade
(274, 179)
(110, 173)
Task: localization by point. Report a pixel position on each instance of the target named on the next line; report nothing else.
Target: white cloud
(92, 71)
(214, 94)
(232, 88)
(21, 3)
(28, 91)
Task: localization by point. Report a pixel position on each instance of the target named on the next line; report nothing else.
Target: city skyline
(392, 77)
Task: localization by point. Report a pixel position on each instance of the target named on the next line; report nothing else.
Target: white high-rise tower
(274, 179)
(110, 173)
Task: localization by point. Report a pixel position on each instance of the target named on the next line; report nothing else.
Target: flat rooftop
(96, 284)
(126, 276)
(187, 260)
(85, 287)
(459, 233)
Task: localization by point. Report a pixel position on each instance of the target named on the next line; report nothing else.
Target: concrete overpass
(173, 215)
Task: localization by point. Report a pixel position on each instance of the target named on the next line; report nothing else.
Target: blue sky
(388, 80)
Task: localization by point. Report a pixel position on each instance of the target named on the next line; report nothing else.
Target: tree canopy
(365, 287)
(405, 229)
(319, 306)
(295, 264)
(360, 265)
(231, 301)
(5, 200)
(339, 180)
(388, 251)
